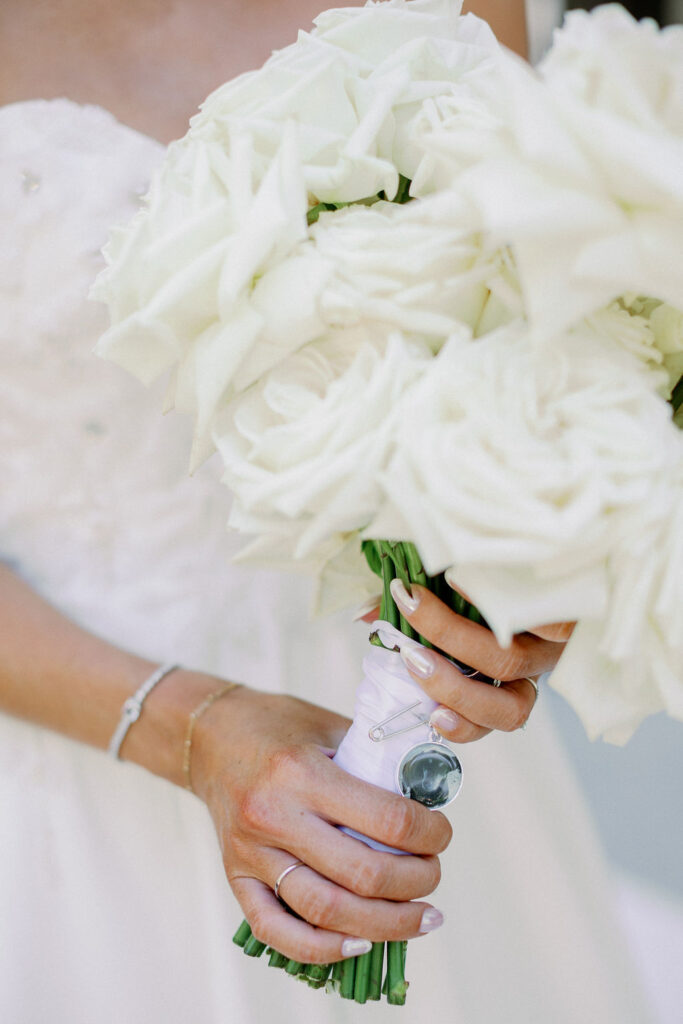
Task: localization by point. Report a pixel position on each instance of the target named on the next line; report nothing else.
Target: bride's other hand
(261, 762)
(470, 709)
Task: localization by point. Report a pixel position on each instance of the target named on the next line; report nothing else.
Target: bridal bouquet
(427, 305)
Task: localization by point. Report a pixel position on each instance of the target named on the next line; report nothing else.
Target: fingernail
(418, 661)
(407, 602)
(450, 578)
(367, 606)
(444, 719)
(356, 947)
(431, 920)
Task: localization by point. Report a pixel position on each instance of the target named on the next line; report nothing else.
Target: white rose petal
(583, 176)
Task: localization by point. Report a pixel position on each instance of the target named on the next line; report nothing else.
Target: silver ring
(496, 682)
(528, 679)
(533, 682)
(283, 874)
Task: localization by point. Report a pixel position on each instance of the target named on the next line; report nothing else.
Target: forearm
(59, 676)
(507, 18)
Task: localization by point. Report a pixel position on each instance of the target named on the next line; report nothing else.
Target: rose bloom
(543, 476)
(579, 166)
(304, 447)
(195, 283)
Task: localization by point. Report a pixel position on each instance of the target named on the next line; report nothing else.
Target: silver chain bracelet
(130, 712)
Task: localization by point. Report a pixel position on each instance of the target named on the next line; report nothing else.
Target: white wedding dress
(113, 904)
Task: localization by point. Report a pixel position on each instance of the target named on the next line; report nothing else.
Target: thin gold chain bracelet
(194, 715)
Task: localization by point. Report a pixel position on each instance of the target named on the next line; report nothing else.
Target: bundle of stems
(374, 974)
(360, 978)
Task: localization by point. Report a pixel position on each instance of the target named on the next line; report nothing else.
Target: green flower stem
(389, 612)
(337, 973)
(318, 972)
(242, 934)
(397, 986)
(293, 967)
(362, 980)
(252, 947)
(414, 563)
(677, 396)
(348, 978)
(277, 959)
(376, 968)
(397, 553)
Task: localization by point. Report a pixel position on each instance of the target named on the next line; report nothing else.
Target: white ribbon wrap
(387, 688)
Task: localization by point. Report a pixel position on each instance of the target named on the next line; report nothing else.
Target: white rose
(419, 267)
(624, 665)
(513, 455)
(583, 176)
(303, 448)
(651, 329)
(205, 282)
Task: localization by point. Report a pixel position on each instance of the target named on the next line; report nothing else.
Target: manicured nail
(408, 603)
(450, 578)
(368, 606)
(431, 920)
(356, 947)
(445, 720)
(418, 661)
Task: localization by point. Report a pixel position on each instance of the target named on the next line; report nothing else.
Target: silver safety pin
(377, 732)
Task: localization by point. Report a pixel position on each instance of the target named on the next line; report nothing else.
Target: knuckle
(514, 717)
(259, 926)
(513, 662)
(309, 953)
(369, 877)
(402, 826)
(442, 831)
(288, 763)
(322, 908)
(441, 634)
(430, 877)
(436, 873)
(256, 810)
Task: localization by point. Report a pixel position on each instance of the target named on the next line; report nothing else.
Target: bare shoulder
(507, 18)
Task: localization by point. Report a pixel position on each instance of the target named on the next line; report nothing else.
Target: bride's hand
(261, 763)
(470, 709)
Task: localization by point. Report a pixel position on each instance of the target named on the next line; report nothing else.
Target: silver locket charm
(430, 773)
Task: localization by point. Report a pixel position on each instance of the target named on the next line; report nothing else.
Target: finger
(557, 632)
(470, 642)
(455, 727)
(467, 700)
(326, 905)
(271, 924)
(369, 610)
(353, 864)
(386, 817)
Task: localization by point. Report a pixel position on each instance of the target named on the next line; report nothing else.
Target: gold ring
(283, 874)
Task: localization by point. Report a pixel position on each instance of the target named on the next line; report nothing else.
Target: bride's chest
(68, 174)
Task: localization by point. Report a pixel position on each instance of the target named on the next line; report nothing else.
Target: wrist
(156, 740)
(221, 727)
